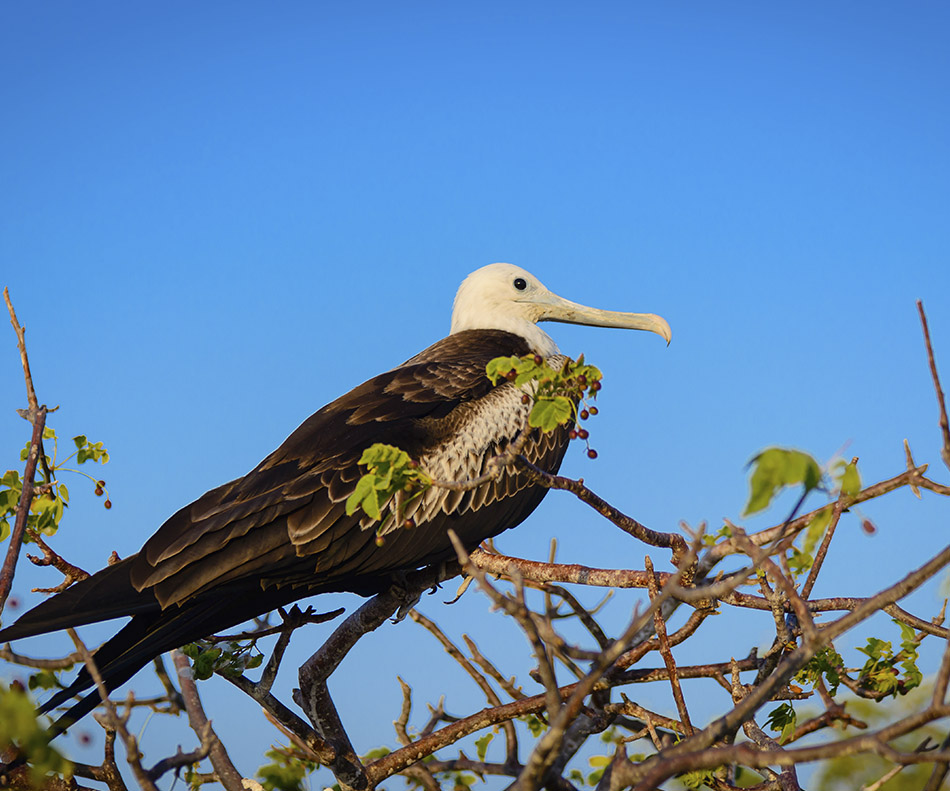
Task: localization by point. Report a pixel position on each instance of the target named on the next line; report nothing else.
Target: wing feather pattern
(281, 532)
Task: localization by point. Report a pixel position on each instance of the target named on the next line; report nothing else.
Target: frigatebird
(282, 533)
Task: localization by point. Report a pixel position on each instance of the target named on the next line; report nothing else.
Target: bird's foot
(407, 595)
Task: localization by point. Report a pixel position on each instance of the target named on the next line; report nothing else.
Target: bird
(282, 532)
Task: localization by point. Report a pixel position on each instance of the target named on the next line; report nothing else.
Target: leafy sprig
(559, 396)
(231, 660)
(50, 497)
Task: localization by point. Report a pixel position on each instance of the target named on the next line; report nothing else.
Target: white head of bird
(507, 297)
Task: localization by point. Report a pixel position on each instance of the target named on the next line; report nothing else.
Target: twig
(672, 541)
(941, 402)
(61, 663)
(511, 738)
(112, 717)
(659, 626)
(70, 572)
(21, 344)
(229, 776)
(23, 507)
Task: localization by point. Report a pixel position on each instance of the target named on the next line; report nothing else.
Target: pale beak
(555, 308)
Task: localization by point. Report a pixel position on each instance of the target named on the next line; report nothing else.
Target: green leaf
(535, 725)
(498, 368)
(848, 478)
(776, 468)
(254, 661)
(80, 440)
(45, 679)
(390, 470)
(783, 719)
(364, 496)
(204, 665)
(825, 664)
(286, 772)
(548, 414)
(191, 650)
(481, 745)
(816, 528)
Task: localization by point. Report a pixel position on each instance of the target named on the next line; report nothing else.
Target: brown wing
(284, 523)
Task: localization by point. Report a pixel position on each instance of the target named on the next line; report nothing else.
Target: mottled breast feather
(284, 522)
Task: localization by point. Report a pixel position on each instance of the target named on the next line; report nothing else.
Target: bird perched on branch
(283, 531)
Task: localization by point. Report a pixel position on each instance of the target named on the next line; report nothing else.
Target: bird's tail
(107, 594)
(152, 633)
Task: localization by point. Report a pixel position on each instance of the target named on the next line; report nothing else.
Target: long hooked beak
(555, 308)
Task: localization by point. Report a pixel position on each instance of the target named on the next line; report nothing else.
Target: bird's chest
(476, 431)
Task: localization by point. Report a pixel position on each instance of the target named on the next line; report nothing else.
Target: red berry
(102, 484)
(591, 453)
(380, 541)
(98, 491)
(584, 414)
(538, 359)
(583, 433)
(593, 410)
(108, 504)
(581, 380)
(595, 386)
(572, 434)
(413, 464)
(511, 375)
(525, 399)
(409, 523)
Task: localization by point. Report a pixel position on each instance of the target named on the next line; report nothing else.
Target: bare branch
(941, 401)
(229, 776)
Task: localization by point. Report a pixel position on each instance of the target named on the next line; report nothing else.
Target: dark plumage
(281, 533)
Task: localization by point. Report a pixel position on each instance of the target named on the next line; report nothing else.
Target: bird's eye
(520, 283)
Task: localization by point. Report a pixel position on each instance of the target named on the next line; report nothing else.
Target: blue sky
(216, 218)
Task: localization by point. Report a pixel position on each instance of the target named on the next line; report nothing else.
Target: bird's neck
(539, 341)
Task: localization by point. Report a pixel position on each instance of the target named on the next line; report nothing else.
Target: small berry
(98, 491)
(572, 434)
(591, 453)
(583, 433)
(413, 464)
(525, 399)
(380, 541)
(511, 375)
(102, 484)
(538, 359)
(584, 414)
(581, 380)
(595, 386)
(593, 410)
(409, 523)
(108, 504)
